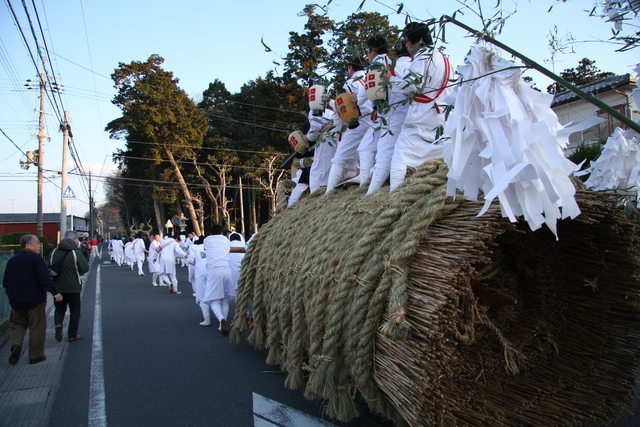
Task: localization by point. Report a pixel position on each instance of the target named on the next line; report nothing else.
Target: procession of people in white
(213, 269)
(412, 128)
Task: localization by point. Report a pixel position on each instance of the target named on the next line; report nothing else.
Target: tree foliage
(160, 124)
(585, 72)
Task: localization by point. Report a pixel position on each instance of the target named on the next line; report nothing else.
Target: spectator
(69, 284)
(27, 281)
(85, 248)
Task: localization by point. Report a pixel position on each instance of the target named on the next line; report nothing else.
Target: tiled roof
(27, 218)
(594, 88)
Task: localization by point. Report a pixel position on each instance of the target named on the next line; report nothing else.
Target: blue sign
(68, 194)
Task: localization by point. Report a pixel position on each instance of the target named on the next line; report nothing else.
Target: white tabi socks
(206, 314)
(335, 175)
(378, 178)
(216, 306)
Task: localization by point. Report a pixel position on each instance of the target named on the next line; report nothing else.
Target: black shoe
(59, 333)
(38, 360)
(223, 328)
(15, 354)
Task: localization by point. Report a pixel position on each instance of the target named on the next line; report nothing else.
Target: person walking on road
(219, 290)
(168, 252)
(27, 280)
(69, 284)
(139, 250)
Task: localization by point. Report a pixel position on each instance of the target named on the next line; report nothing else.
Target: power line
(207, 148)
(16, 145)
(150, 183)
(199, 163)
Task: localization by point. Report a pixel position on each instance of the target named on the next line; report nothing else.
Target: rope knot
(388, 266)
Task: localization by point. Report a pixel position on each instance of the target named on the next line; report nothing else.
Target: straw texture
(367, 301)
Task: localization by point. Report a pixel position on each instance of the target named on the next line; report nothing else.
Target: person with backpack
(69, 283)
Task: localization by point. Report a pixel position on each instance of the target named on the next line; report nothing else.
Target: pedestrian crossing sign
(68, 194)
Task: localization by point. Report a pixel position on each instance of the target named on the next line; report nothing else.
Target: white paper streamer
(506, 141)
(618, 166)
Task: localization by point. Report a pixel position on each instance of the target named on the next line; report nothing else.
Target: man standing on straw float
(428, 82)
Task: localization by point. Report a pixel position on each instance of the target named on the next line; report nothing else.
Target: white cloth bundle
(616, 164)
(506, 141)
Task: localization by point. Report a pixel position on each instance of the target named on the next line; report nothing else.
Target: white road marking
(97, 395)
(268, 413)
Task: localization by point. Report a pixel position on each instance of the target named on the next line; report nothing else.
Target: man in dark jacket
(27, 281)
(69, 283)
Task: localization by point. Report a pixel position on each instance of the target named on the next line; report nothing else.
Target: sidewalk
(27, 391)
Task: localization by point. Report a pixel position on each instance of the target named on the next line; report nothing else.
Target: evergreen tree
(160, 122)
(585, 72)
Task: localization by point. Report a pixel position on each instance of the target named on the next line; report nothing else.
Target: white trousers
(296, 193)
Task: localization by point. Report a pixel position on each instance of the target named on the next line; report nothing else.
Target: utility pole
(241, 210)
(90, 209)
(41, 137)
(66, 131)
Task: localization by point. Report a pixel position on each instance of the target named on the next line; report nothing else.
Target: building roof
(594, 88)
(29, 218)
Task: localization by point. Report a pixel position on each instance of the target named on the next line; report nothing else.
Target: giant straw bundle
(367, 300)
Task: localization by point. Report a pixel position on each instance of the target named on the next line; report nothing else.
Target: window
(605, 129)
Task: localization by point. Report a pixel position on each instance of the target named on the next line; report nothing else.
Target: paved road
(145, 361)
(160, 368)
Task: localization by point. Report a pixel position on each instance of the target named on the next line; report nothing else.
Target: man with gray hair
(27, 281)
(69, 283)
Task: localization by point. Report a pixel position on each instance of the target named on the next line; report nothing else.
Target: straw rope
(367, 299)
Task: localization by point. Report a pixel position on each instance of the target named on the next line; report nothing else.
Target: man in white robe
(129, 257)
(168, 252)
(328, 128)
(236, 254)
(152, 260)
(394, 118)
(198, 259)
(112, 254)
(219, 290)
(346, 155)
(373, 119)
(428, 81)
(138, 254)
(191, 266)
(118, 249)
(184, 245)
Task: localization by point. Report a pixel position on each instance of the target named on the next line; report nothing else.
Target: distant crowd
(213, 264)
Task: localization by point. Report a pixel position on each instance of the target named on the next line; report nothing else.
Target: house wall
(50, 229)
(580, 110)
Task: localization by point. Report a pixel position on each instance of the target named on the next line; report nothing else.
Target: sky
(204, 40)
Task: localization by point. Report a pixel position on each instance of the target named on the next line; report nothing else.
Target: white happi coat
(118, 249)
(327, 128)
(138, 250)
(235, 260)
(347, 152)
(190, 263)
(152, 259)
(396, 115)
(169, 251)
(428, 76)
(128, 253)
(219, 284)
(199, 264)
(375, 122)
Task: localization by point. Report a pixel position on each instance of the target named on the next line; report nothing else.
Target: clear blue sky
(204, 40)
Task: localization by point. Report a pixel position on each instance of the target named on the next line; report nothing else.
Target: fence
(5, 308)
